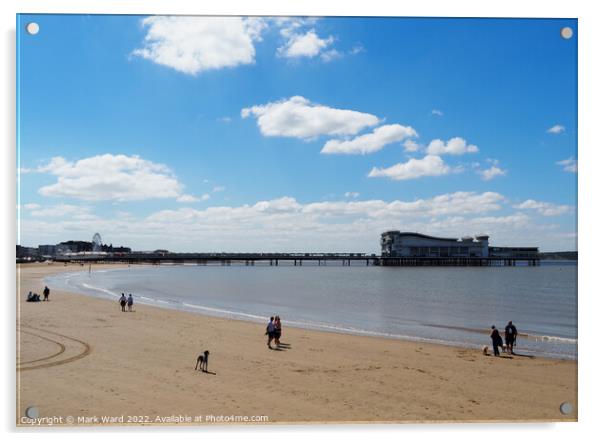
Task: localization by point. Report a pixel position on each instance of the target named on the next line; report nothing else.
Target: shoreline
(319, 326)
(142, 363)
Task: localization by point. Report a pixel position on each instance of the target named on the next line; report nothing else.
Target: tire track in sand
(84, 347)
(56, 354)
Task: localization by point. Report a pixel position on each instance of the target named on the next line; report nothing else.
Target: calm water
(447, 305)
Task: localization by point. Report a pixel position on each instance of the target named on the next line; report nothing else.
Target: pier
(292, 259)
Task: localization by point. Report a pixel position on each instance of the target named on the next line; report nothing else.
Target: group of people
(34, 297)
(129, 301)
(510, 334)
(274, 331)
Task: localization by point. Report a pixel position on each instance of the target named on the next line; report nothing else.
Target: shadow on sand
(523, 355)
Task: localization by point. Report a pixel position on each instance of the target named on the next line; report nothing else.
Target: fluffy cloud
(352, 194)
(568, 165)
(411, 146)
(111, 177)
(371, 142)
(299, 118)
(455, 146)
(544, 208)
(462, 202)
(331, 55)
(491, 172)
(301, 40)
(436, 112)
(190, 198)
(556, 130)
(308, 44)
(195, 44)
(285, 224)
(65, 211)
(430, 165)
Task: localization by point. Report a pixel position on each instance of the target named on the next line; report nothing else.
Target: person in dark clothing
(277, 330)
(130, 303)
(510, 337)
(122, 302)
(46, 293)
(270, 332)
(496, 341)
(33, 297)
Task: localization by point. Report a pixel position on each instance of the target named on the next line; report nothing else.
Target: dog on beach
(485, 349)
(202, 361)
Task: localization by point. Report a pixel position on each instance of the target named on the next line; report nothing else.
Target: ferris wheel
(96, 242)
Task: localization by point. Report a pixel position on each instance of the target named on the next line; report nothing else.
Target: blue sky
(302, 134)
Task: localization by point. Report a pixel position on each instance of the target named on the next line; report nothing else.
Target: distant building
(73, 246)
(27, 252)
(47, 250)
(403, 244)
(398, 244)
(121, 250)
(514, 252)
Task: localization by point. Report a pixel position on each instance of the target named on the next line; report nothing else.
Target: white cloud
(430, 165)
(299, 118)
(331, 55)
(187, 198)
(442, 205)
(281, 205)
(544, 208)
(568, 165)
(308, 44)
(436, 112)
(62, 210)
(352, 194)
(411, 146)
(195, 44)
(371, 142)
(492, 172)
(285, 224)
(218, 188)
(31, 206)
(110, 177)
(455, 146)
(557, 129)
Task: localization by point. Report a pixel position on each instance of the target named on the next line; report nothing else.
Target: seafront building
(405, 244)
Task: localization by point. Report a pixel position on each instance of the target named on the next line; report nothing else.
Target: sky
(295, 134)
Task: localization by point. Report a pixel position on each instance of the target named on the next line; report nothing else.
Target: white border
(590, 73)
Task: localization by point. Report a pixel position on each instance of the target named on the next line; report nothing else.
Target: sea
(448, 305)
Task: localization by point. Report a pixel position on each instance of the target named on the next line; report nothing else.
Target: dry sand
(82, 357)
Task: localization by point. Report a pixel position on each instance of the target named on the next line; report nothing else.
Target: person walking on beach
(277, 330)
(269, 331)
(130, 302)
(46, 293)
(496, 340)
(122, 302)
(510, 336)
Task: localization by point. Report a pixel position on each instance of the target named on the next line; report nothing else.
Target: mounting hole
(32, 412)
(566, 408)
(32, 28)
(566, 33)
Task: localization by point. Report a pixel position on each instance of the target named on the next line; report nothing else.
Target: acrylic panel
(259, 220)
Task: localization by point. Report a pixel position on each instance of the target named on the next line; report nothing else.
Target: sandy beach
(81, 357)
